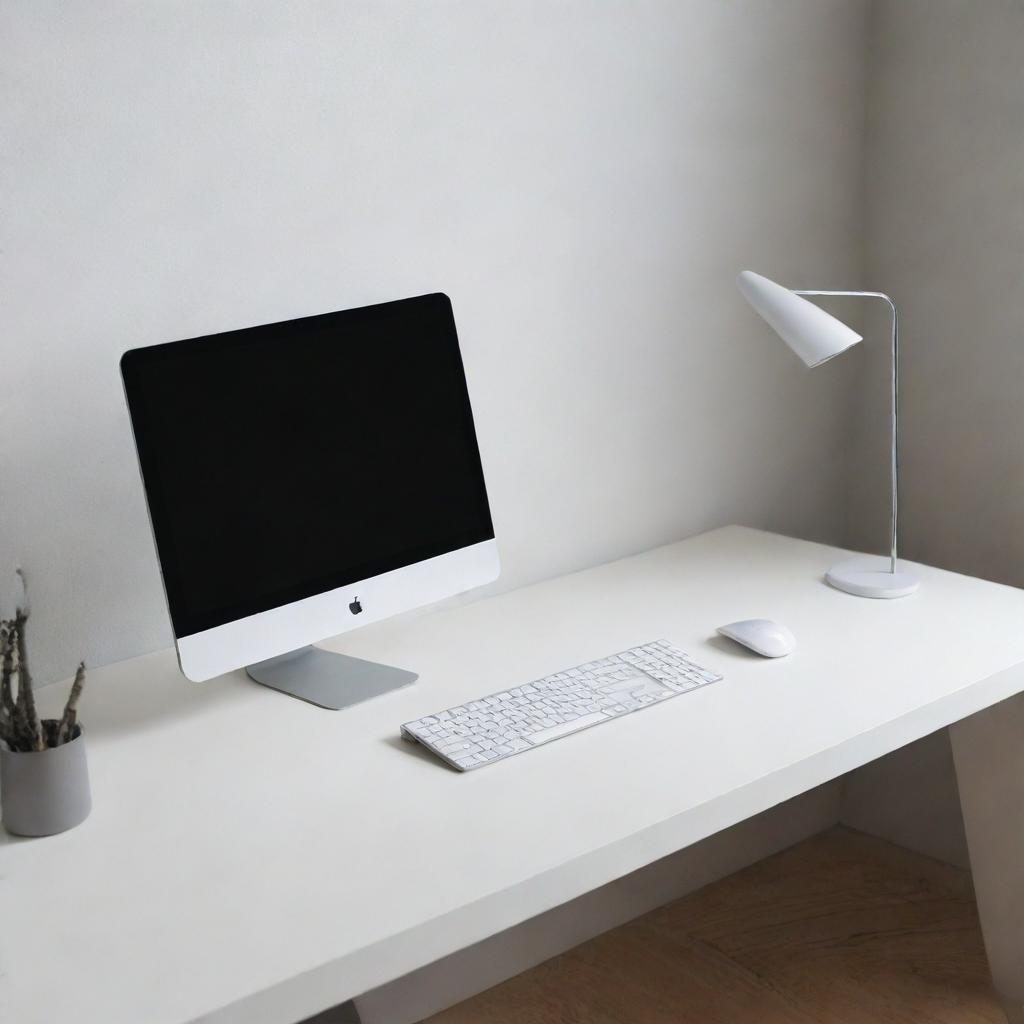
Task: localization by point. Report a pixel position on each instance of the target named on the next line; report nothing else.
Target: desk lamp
(816, 337)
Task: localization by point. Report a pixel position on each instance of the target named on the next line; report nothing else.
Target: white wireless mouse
(762, 636)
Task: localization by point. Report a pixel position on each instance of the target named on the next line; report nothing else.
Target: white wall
(945, 233)
(585, 179)
(945, 236)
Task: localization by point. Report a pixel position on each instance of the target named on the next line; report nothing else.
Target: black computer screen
(287, 460)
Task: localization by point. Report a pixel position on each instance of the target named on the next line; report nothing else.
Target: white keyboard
(483, 731)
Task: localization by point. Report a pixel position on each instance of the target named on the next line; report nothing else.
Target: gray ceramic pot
(47, 791)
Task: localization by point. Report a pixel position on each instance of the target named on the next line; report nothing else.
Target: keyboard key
(545, 735)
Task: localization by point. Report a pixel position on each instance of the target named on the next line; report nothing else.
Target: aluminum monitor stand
(329, 680)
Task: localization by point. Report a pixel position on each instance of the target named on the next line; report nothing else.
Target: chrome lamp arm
(894, 398)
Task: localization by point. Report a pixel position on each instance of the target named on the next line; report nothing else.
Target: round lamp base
(870, 577)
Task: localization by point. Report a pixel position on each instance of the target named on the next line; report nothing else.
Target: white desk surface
(254, 859)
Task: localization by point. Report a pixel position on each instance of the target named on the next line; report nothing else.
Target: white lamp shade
(810, 332)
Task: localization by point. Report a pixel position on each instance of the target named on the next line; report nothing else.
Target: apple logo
(355, 607)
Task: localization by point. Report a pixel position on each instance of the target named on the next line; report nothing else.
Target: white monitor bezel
(289, 627)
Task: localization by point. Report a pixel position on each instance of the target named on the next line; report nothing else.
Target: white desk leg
(988, 749)
(346, 1013)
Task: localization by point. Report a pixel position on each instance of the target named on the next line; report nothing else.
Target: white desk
(254, 859)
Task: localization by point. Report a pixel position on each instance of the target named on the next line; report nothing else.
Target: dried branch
(66, 729)
(26, 698)
(23, 736)
(6, 668)
(18, 733)
(7, 705)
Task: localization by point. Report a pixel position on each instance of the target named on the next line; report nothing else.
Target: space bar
(554, 731)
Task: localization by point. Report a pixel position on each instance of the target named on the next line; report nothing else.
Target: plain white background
(584, 179)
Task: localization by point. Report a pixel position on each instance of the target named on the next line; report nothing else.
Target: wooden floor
(841, 929)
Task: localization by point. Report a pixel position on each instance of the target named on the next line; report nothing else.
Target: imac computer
(305, 478)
